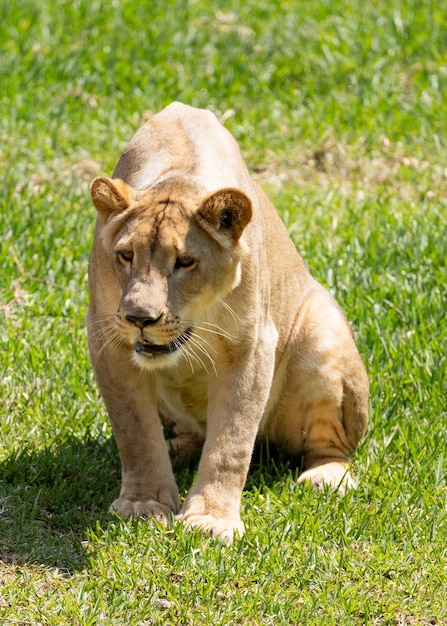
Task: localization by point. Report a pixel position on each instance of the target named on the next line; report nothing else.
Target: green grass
(340, 110)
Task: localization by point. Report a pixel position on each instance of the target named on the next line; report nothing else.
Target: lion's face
(174, 254)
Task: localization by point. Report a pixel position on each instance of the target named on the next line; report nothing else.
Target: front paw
(224, 529)
(333, 474)
(141, 508)
(222, 522)
(160, 507)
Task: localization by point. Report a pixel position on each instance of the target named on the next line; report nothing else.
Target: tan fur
(190, 253)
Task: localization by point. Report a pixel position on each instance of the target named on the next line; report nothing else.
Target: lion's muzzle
(153, 349)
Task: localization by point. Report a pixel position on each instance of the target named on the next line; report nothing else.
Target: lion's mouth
(146, 347)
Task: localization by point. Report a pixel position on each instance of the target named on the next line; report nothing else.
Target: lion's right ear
(110, 195)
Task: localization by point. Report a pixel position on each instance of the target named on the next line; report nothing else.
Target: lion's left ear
(110, 195)
(227, 211)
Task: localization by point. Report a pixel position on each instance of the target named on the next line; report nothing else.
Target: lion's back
(183, 140)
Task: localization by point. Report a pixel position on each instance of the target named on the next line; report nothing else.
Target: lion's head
(174, 251)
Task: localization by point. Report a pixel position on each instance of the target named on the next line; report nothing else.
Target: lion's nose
(142, 322)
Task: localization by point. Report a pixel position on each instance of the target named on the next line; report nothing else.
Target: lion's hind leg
(327, 473)
(326, 448)
(331, 433)
(184, 445)
(324, 410)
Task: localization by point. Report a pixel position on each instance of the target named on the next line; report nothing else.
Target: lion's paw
(142, 508)
(224, 529)
(333, 474)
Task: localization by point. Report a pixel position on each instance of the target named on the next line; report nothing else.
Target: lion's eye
(187, 262)
(125, 256)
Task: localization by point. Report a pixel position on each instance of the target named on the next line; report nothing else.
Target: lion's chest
(185, 395)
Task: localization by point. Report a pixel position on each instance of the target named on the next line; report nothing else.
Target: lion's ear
(110, 195)
(227, 212)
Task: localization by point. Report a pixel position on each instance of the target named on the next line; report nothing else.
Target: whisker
(101, 323)
(209, 327)
(101, 320)
(105, 324)
(110, 337)
(196, 342)
(212, 325)
(188, 357)
(103, 333)
(202, 340)
(190, 351)
(215, 331)
(230, 310)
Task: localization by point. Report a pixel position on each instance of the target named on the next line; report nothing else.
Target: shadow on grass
(49, 498)
(271, 465)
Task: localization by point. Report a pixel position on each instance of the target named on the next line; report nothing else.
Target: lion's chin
(149, 362)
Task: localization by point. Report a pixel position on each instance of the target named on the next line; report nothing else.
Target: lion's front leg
(148, 485)
(234, 413)
(213, 505)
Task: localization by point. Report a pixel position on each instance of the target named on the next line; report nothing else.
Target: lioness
(202, 312)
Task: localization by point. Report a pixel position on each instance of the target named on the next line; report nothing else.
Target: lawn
(340, 109)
